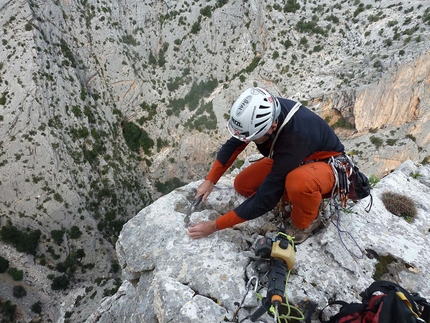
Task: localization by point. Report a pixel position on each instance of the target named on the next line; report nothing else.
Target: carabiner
(250, 281)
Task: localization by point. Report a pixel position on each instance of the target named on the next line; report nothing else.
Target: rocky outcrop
(169, 277)
(72, 72)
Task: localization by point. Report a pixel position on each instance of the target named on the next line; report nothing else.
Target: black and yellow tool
(282, 256)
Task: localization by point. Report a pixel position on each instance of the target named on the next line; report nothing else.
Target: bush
(16, 274)
(376, 141)
(4, 264)
(373, 180)
(19, 291)
(22, 241)
(400, 205)
(57, 236)
(74, 232)
(37, 307)
(135, 137)
(60, 282)
(7, 311)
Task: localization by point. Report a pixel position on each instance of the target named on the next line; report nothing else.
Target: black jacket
(306, 136)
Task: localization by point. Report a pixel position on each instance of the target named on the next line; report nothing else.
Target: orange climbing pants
(305, 187)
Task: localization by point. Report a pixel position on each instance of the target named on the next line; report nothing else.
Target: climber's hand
(202, 229)
(205, 189)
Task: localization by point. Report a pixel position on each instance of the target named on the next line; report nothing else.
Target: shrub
(135, 137)
(373, 180)
(196, 27)
(415, 175)
(37, 307)
(169, 185)
(391, 142)
(57, 236)
(60, 282)
(7, 311)
(4, 264)
(19, 291)
(16, 274)
(74, 232)
(411, 137)
(206, 11)
(22, 241)
(400, 205)
(291, 6)
(376, 141)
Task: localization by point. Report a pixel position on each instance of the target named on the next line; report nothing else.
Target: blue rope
(340, 231)
(334, 208)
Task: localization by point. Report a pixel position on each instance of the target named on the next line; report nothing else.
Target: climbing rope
(282, 313)
(341, 189)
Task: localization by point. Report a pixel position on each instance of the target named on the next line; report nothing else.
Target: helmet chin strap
(266, 138)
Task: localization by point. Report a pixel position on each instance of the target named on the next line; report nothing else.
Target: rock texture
(169, 277)
(107, 105)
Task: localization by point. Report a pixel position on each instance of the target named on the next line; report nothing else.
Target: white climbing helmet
(252, 114)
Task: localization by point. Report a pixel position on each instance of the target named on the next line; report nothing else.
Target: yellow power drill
(282, 256)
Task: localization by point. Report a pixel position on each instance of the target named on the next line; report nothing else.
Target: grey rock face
(170, 278)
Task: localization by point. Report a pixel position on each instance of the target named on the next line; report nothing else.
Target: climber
(293, 169)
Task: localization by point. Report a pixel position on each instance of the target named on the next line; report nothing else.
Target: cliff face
(400, 97)
(390, 118)
(106, 106)
(169, 277)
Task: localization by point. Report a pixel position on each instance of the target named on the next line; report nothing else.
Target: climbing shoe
(300, 235)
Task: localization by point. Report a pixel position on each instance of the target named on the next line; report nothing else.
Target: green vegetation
(192, 99)
(68, 54)
(60, 283)
(19, 291)
(37, 307)
(400, 205)
(391, 142)
(206, 11)
(72, 262)
(4, 264)
(250, 68)
(75, 232)
(311, 27)
(16, 274)
(411, 137)
(376, 141)
(57, 236)
(415, 175)
(7, 311)
(291, 6)
(136, 138)
(151, 111)
(204, 118)
(373, 180)
(129, 40)
(382, 265)
(426, 16)
(196, 27)
(169, 185)
(342, 123)
(22, 241)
